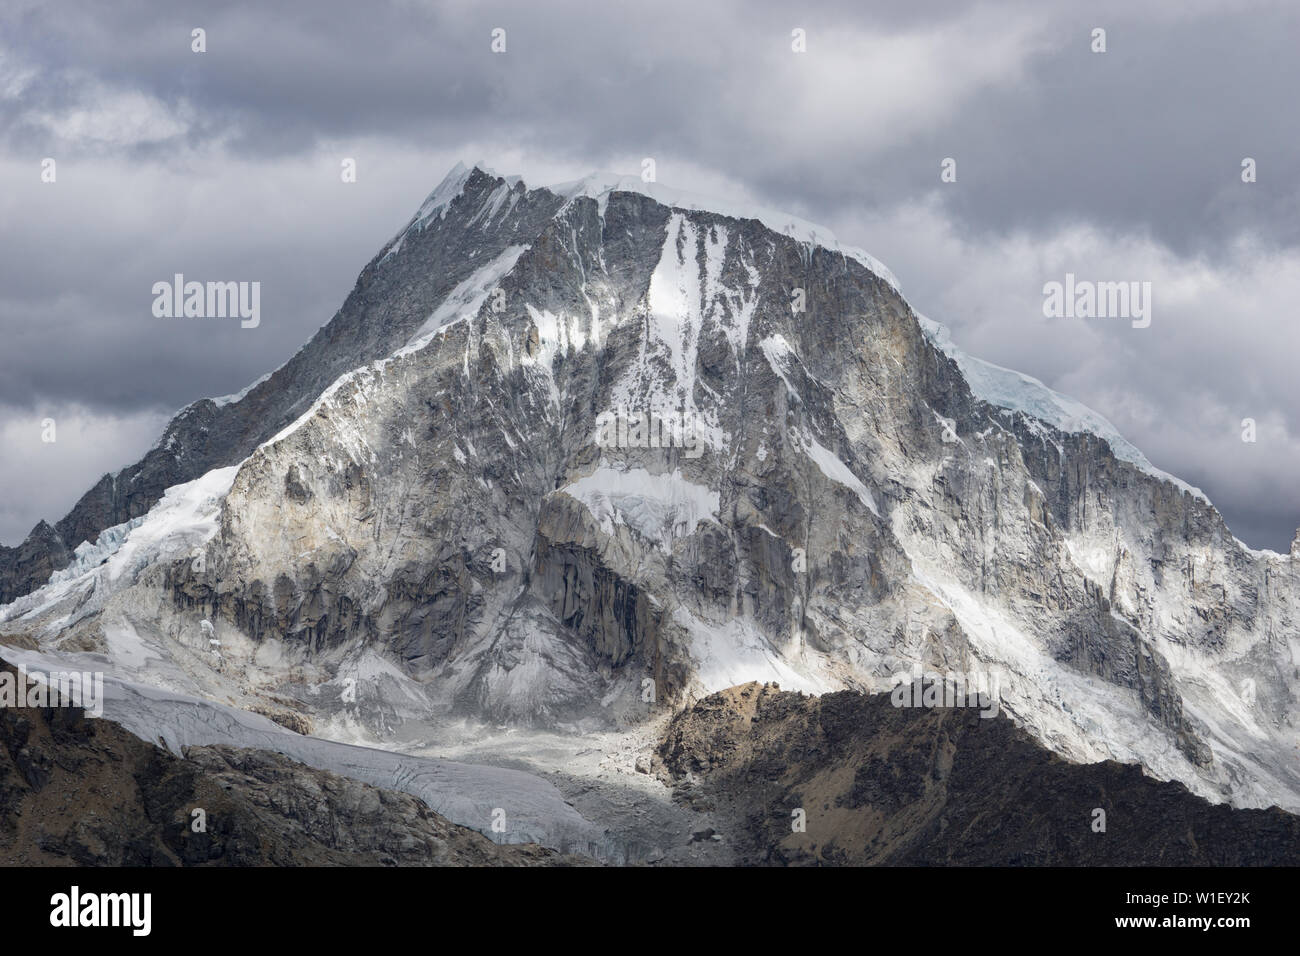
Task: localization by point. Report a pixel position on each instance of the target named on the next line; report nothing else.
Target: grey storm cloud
(224, 165)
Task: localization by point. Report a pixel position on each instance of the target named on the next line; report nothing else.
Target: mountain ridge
(49, 548)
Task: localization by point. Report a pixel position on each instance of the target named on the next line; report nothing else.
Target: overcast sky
(1123, 165)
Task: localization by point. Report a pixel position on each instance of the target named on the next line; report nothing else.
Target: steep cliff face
(600, 448)
(469, 463)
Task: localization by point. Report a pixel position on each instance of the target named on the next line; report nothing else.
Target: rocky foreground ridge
(882, 785)
(772, 777)
(85, 792)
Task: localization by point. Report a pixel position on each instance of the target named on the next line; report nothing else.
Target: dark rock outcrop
(879, 784)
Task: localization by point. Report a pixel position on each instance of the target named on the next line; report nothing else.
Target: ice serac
(423, 525)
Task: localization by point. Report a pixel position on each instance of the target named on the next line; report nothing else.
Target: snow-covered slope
(1019, 392)
(175, 527)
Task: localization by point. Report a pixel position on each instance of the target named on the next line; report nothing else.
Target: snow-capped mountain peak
(561, 442)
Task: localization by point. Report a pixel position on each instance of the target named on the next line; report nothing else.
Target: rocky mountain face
(849, 779)
(76, 791)
(568, 457)
(31, 563)
(379, 315)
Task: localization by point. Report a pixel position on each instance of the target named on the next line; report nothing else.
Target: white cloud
(115, 118)
(866, 91)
